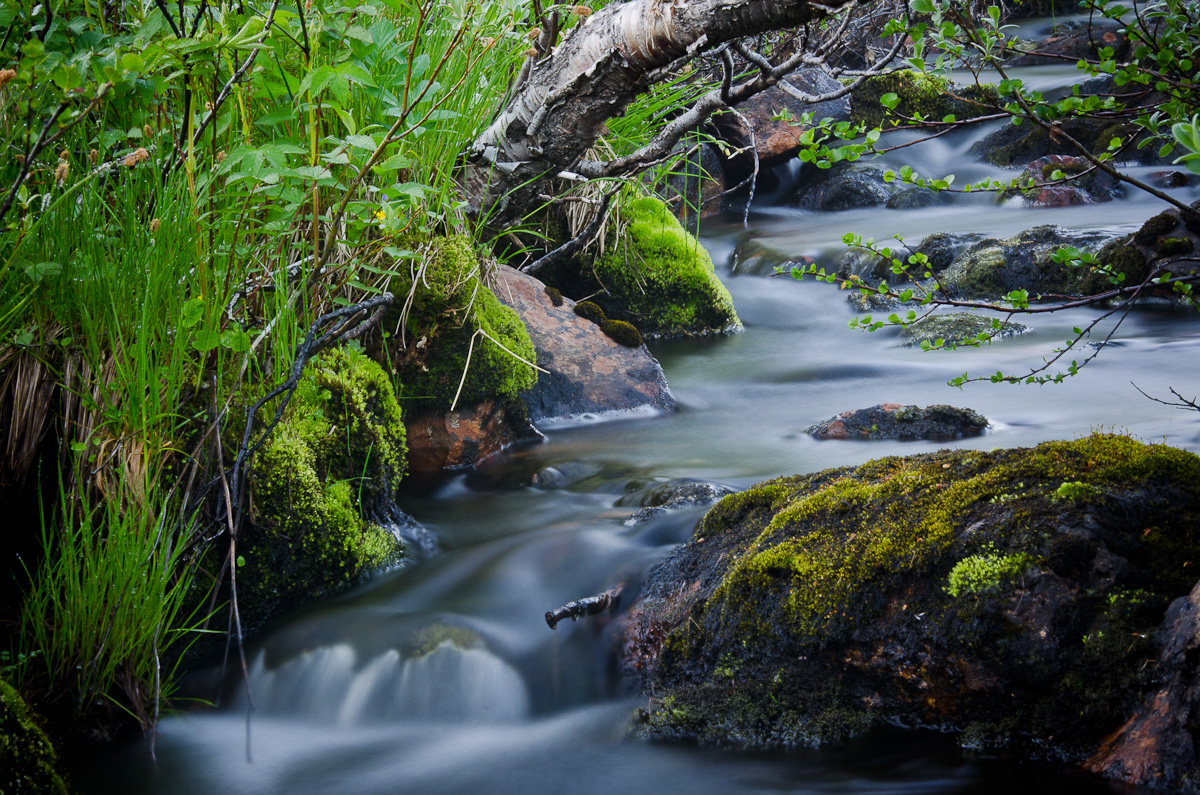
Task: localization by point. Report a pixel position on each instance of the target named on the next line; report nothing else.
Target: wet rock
(919, 97)
(993, 268)
(898, 421)
(564, 475)
(589, 373)
(1075, 40)
(1012, 145)
(844, 187)
(1090, 187)
(439, 439)
(956, 328)
(942, 248)
(672, 495)
(1014, 599)
(772, 119)
(1156, 746)
(1172, 179)
(917, 198)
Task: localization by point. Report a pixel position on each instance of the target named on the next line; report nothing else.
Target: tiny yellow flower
(379, 215)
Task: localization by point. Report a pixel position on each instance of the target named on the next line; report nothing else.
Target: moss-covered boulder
(322, 487)
(446, 320)
(920, 96)
(652, 274)
(28, 762)
(1012, 597)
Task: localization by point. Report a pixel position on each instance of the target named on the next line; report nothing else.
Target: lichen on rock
(28, 762)
(961, 590)
(323, 482)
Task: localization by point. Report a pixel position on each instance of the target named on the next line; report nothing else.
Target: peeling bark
(604, 63)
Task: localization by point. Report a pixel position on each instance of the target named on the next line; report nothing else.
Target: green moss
(985, 572)
(873, 590)
(556, 296)
(1120, 258)
(920, 96)
(28, 762)
(334, 461)
(623, 333)
(831, 554)
(589, 310)
(1173, 246)
(455, 323)
(660, 276)
(1074, 167)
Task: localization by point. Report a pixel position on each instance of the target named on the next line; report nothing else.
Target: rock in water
(897, 421)
(589, 373)
(1015, 598)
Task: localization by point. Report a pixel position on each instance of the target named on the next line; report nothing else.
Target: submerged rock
(956, 328)
(672, 495)
(589, 372)
(898, 421)
(1014, 598)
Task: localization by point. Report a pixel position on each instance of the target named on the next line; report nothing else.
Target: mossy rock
(993, 268)
(661, 277)
(322, 484)
(28, 762)
(920, 96)
(956, 590)
(653, 275)
(1121, 259)
(454, 323)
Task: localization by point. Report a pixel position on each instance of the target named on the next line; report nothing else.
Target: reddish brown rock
(588, 373)
(1155, 746)
(770, 121)
(439, 440)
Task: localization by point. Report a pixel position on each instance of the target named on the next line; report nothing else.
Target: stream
(444, 678)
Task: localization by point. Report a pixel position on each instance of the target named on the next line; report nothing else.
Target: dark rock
(672, 495)
(1075, 40)
(942, 248)
(695, 189)
(1156, 745)
(917, 198)
(956, 328)
(1014, 599)
(897, 421)
(1172, 179)
(1013, 144)
(588, 372)
(844, 187)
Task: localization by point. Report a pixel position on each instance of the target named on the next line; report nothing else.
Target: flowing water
(445, 678)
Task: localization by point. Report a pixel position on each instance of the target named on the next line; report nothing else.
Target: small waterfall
(448, 684)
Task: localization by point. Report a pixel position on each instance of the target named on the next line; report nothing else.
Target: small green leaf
(205, 340)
